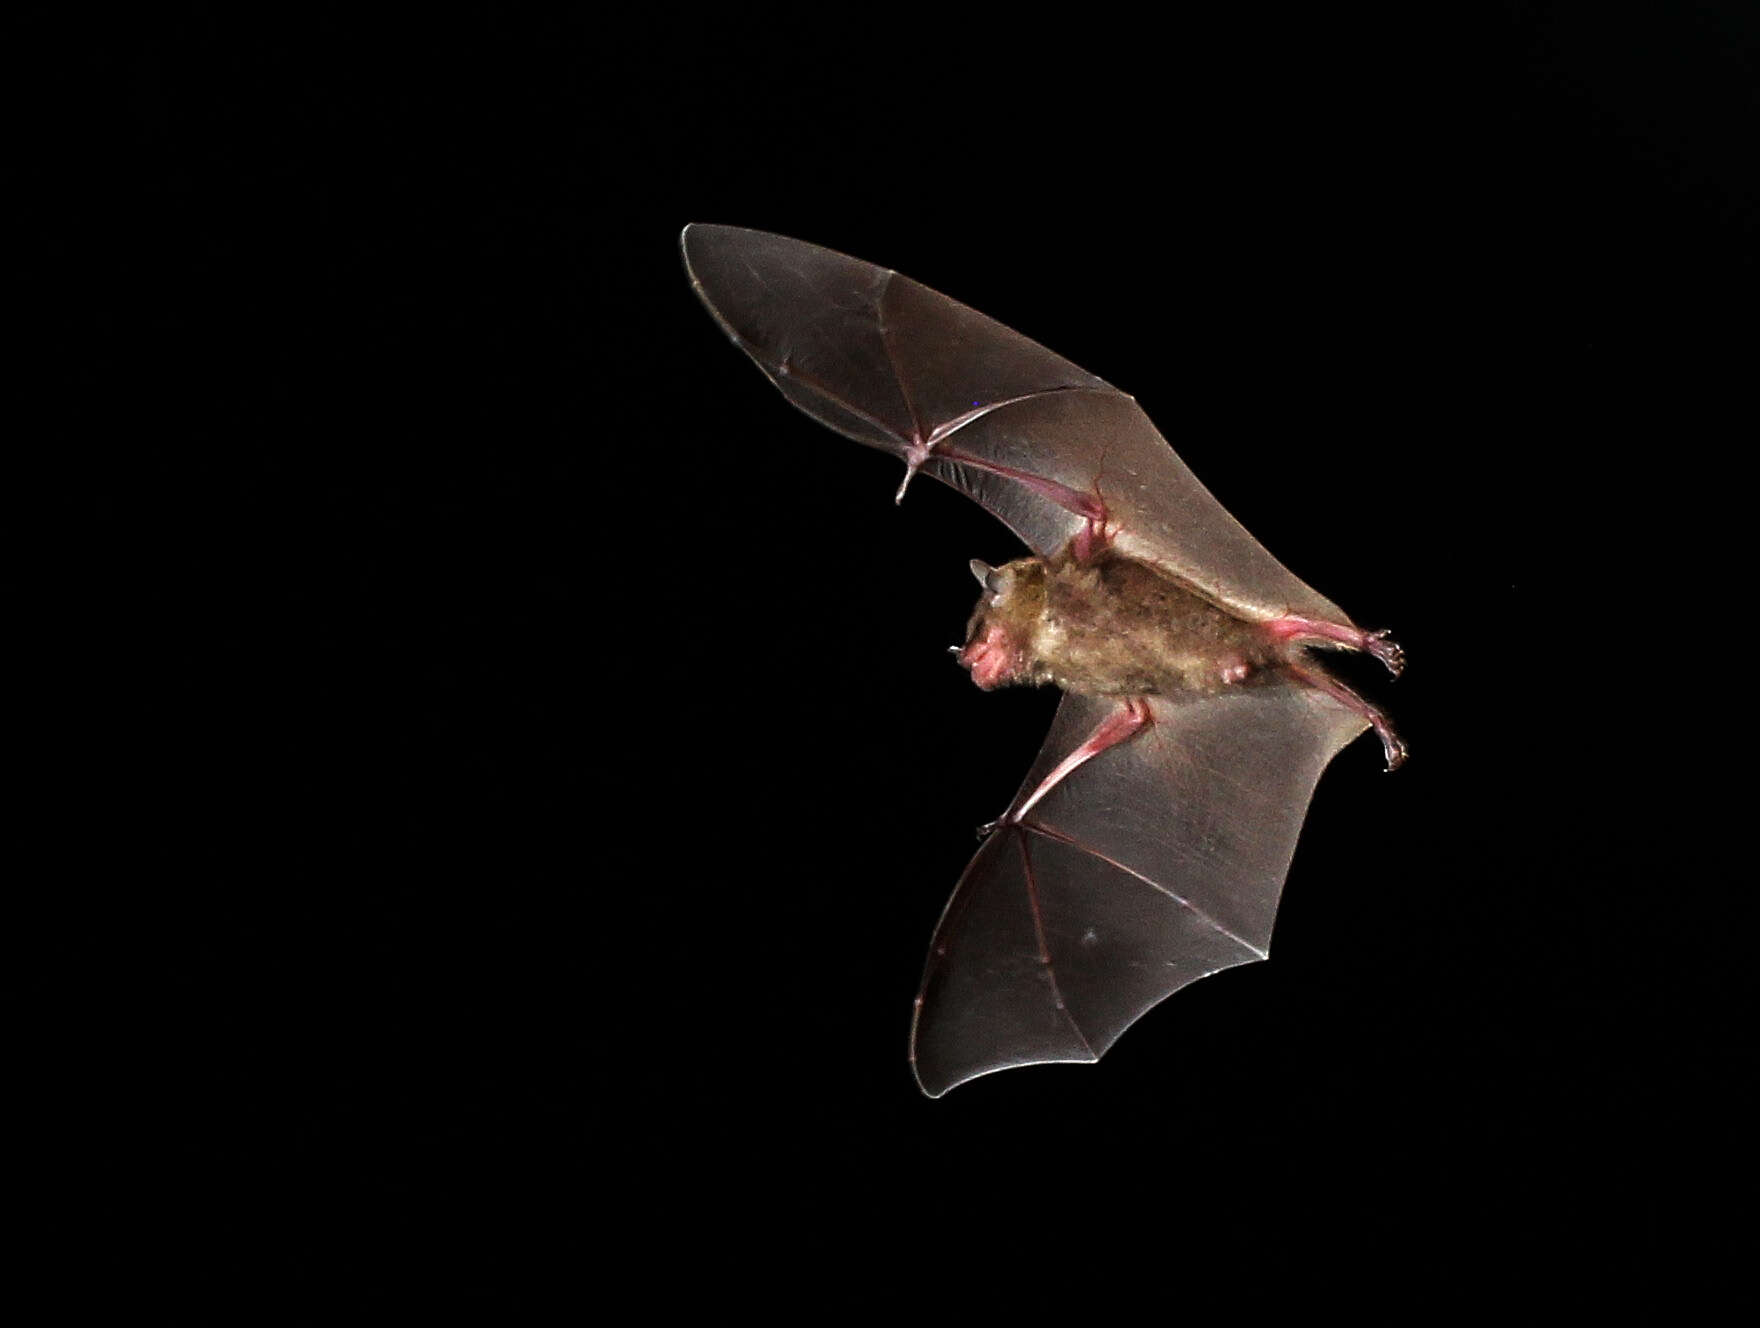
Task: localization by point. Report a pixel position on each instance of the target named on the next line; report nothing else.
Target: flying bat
(1149, 843)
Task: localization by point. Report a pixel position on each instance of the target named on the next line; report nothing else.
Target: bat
(1149, 843)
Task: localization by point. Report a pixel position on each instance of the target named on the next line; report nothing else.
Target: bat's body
(1101, 623)
(1148, 845)
(1107, 625)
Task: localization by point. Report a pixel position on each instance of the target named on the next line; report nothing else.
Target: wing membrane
(1155, 864)
(897, 366)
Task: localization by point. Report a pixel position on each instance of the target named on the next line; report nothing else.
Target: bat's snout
(990, 657)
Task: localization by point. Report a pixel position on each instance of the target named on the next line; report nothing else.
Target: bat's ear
(986, 574)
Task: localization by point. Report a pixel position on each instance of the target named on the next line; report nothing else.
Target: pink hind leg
(1378, 644)
(1393, 747)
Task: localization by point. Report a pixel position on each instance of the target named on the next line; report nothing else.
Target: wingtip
(686, 234)
(703, 227)
(695, 233)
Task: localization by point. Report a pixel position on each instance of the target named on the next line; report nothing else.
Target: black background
(524, 749)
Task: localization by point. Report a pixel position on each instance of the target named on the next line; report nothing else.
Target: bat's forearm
(1120, 726)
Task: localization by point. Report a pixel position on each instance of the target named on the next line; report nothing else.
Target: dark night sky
(538, 741)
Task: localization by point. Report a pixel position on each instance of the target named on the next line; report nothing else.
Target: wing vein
(904, 387)
(794, 375)
(1057, 836)
(959, 422)
(1045, 949)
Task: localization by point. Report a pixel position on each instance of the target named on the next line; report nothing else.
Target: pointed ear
(983, 571)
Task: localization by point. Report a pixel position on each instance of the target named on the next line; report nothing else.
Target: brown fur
(1115, 626)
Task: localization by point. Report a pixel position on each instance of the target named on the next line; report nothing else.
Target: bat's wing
(1042, 444)
(1158, 862)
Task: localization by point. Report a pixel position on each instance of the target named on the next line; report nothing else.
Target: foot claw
(1382, 645)
(1394, 748)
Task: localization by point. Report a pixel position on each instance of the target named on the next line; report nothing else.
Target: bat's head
(1000, 638)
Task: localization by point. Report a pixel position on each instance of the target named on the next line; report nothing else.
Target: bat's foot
(1311, 631)
(1382, 645)
(1392, 745)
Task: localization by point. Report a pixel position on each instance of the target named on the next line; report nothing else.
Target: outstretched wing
(1157, 863)
(1042, 444)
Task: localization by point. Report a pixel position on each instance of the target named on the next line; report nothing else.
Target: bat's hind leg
(1312, 631)
(1392, 745)
(1294, 631)
(1121, 725)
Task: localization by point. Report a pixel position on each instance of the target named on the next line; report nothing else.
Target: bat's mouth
(990, 657)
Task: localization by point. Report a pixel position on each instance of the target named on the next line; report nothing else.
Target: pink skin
(1131, 718)
(992, 658)
(1093, 537)
(1393, 747)
(1378, 644)
(1312, 631)
(1124, 723)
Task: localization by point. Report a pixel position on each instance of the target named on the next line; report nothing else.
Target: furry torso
(1113, 626)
